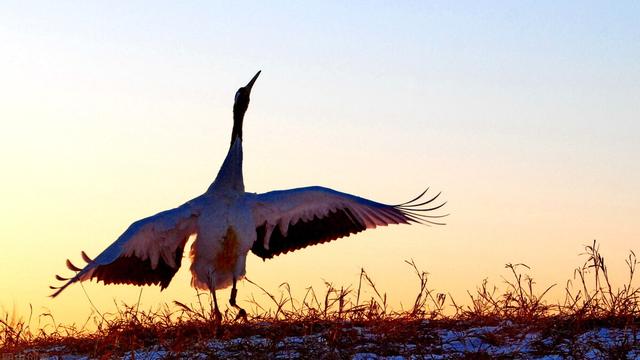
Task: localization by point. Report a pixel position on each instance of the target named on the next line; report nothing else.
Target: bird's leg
(212, 287)
(216, 310)
(232, 300)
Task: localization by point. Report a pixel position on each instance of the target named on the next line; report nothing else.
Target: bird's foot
(217, 316)
(242, 315)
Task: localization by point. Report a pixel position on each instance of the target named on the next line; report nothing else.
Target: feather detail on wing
(289, 220)
(149, 252)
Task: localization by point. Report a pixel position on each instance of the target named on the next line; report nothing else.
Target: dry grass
(339, 313)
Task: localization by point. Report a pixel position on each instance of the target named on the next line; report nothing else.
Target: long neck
(238, 117)
(230, 175)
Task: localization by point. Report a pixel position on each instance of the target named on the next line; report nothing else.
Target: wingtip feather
(72, 267)
(86, 257)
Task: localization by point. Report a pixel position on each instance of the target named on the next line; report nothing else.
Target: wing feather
(288, 220)
(149, 252)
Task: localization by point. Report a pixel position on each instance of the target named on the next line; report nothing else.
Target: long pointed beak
(255, 77)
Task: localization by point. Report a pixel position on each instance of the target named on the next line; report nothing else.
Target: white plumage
(229, 222)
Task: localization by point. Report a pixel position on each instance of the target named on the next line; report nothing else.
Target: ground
(386, 339)
(597, 321)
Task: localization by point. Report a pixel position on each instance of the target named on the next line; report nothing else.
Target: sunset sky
(526, 115)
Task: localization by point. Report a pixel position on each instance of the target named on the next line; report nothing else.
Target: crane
(228, 222)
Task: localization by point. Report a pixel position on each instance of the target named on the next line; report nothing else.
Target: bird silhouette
(228, 223)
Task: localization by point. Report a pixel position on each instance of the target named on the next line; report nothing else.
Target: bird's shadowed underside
(305, 233)
(134, 271)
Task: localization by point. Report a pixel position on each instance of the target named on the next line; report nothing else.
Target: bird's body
(226, 227)
(228, 223)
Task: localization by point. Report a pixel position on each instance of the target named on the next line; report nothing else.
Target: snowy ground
(426, 341)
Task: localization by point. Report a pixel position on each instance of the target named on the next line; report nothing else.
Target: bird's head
(241, 102)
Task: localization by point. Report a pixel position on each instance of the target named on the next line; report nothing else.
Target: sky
(524, 114)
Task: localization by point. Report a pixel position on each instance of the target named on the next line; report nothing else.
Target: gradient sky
(525, 114)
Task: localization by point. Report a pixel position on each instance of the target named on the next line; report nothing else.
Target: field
(596, 320)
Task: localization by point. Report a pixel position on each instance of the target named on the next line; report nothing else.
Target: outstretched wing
(289, 220)
(148, 252)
